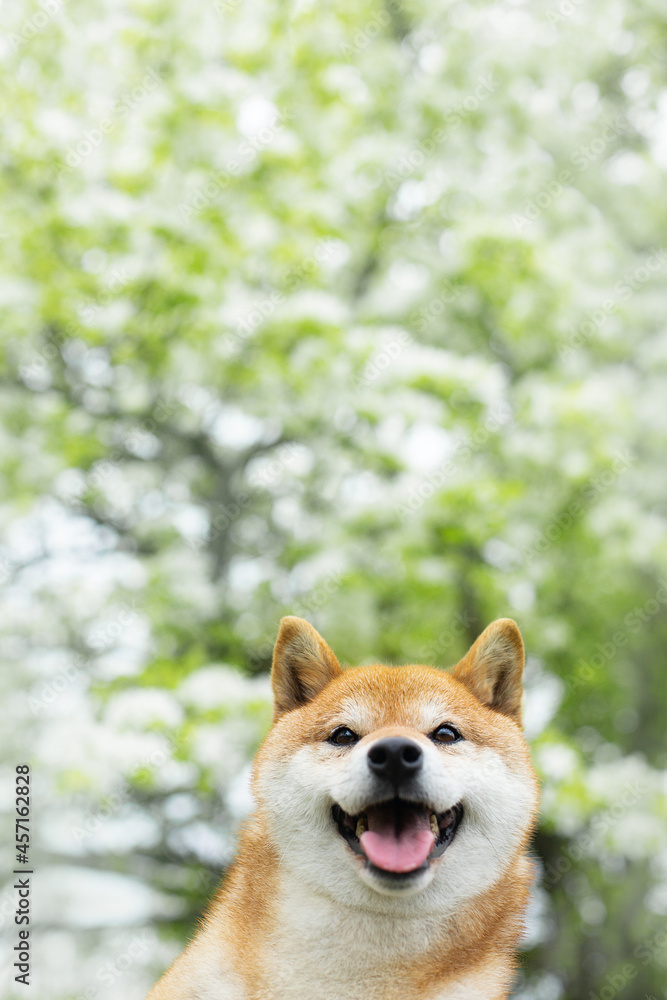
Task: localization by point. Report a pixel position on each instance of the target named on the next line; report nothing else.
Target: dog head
(381, 781)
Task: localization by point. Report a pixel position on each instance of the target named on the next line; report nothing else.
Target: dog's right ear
(303, 664)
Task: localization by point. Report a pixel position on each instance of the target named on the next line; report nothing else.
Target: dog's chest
(318, 954)
(299, 977)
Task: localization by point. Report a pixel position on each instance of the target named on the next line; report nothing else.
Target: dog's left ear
(303, 664)
(492, 669)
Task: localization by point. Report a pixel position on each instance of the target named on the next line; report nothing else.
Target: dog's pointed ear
(492, 669)
(303, 664)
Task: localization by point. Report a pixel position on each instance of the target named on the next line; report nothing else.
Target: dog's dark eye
(343, 736)
(445, 734)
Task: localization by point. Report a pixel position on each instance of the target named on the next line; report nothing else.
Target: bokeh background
(348, 310)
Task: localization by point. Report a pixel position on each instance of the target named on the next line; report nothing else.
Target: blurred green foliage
(354, 311)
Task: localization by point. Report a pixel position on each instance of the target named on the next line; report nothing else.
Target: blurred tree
(352, 311)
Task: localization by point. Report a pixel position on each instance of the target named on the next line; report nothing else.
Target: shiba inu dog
(387, 856)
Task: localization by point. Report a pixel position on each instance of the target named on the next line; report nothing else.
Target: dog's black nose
(395, 759)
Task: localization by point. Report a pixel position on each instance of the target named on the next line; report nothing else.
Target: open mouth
(398, 837)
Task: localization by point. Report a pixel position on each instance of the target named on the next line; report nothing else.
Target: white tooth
(435, 829)
(361, 826)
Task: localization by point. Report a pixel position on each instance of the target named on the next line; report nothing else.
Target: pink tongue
(397, 842)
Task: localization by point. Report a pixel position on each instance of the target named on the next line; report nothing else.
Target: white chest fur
(321, 951)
